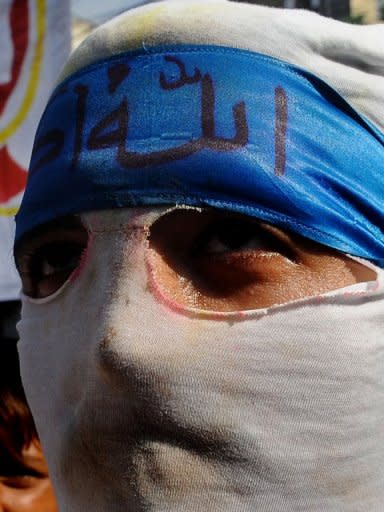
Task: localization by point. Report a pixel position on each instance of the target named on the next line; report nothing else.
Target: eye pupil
(61, 255)
(227, 235)
(57, 257)
(234, 235)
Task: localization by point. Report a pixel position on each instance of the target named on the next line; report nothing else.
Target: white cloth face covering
(141, 406)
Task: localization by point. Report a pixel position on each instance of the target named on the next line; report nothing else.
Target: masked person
(24, 480)
(201, 250)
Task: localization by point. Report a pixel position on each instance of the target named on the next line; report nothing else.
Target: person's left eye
(232, 236)
(219, 260)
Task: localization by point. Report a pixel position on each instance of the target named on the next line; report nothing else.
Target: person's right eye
(50, 265)
(48, 257)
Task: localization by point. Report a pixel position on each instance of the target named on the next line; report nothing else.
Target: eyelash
(46, 262)
(238, 235)
(58, 249)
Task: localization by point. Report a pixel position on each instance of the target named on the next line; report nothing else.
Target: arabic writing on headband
(112, 130)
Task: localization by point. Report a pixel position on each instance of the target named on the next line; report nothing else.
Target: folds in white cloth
(146, 407)
(141, 407)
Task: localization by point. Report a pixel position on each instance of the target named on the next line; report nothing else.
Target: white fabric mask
(143, 405)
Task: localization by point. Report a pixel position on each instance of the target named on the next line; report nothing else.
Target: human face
(231, 262)
(30, 491)
(188, 371)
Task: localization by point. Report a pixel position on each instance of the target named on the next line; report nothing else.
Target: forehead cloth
(213, 120)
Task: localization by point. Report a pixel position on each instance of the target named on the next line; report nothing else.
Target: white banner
(34, 42)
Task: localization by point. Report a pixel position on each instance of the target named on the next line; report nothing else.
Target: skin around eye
(49, 255)
(216, 260)
(213, 260)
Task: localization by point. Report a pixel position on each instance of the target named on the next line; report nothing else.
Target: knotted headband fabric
(208, 125)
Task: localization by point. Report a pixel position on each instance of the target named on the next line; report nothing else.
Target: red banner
(34, 41)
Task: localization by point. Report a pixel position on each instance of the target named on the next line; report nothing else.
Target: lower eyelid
(43, 300)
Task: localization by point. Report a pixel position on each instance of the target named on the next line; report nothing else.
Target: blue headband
(207, 125)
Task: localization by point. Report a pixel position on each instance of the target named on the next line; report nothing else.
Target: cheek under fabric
(208, 125)
(173, 410)
(141, 403)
